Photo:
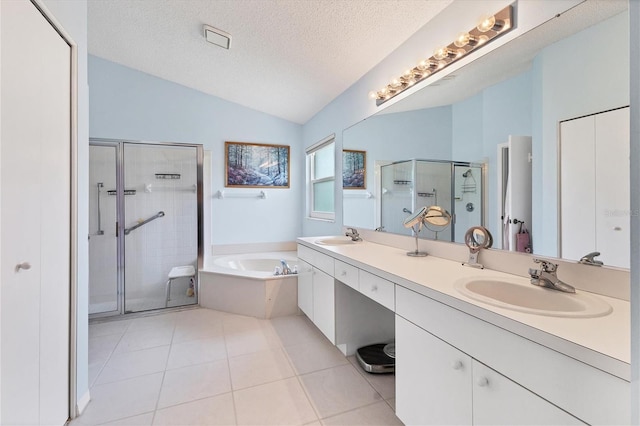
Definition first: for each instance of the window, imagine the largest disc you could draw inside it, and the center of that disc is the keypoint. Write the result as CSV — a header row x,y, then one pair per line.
x,y
321,179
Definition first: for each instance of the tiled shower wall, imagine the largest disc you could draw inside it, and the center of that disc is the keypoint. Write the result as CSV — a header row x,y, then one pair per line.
x,y
153,249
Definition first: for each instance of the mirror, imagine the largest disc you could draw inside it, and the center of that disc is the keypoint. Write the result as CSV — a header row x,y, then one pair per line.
x,y
520,91
437,219
477,238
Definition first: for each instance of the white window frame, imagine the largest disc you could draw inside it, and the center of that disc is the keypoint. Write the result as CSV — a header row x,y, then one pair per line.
x,y
310,154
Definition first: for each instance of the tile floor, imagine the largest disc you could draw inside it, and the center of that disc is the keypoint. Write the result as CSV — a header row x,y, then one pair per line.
x,y
204,367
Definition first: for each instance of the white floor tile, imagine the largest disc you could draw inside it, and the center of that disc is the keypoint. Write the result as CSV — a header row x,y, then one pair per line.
x,y
132,364
392,403
217,410
95,368
385,384
194,330
337,390
141,420
259,368
196,352
107,328
157,322
278,403
144,339
241,342
122,399
187,384
377,414
101,347
295,330
313,356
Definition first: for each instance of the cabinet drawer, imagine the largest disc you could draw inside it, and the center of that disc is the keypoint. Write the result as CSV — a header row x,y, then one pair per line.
x,y
378,289
315,258
346,273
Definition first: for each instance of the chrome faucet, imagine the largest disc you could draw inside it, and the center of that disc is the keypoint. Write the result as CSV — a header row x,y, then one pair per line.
x,y
285,269
589,259
353,233
546,277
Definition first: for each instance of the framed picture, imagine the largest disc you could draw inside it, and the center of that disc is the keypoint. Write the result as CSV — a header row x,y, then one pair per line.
x,y
354,170
254,165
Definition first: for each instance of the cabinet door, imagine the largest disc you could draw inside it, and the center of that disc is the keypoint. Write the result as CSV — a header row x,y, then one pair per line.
x,y
305,288
324,304
433,379
499,401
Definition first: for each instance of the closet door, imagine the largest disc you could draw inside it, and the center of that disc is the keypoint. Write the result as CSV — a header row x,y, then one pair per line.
x,y
612,187
35,220
577,181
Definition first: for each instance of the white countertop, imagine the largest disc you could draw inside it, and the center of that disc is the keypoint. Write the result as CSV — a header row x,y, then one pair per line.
x,y
603,342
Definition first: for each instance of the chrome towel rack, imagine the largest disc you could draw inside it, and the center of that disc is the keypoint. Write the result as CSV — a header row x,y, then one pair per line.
x,y
144,222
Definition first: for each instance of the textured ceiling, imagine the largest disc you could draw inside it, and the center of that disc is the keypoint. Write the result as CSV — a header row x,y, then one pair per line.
x,y
288,58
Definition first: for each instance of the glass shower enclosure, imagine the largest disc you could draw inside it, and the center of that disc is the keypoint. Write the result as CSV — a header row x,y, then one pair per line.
x,y
453,185
145,216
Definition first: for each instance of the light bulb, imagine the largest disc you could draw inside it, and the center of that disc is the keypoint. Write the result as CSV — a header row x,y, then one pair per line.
x,y
462,40
441,64
396,83
373,95
487,23
483,39
407,74
441,53
460,53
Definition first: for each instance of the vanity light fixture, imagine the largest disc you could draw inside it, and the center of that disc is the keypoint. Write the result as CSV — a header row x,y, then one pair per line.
x,y
489,28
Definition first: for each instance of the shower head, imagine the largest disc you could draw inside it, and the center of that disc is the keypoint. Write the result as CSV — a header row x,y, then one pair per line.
x,y
467,173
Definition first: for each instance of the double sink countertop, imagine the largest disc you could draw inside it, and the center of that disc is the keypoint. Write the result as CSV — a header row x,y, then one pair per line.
x,y
602,342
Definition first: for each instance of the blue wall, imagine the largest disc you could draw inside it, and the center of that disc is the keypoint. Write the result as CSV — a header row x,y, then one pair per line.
x,y
128,104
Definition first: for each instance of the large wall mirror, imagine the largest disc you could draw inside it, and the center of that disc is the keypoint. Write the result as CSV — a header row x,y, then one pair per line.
x,y
503,114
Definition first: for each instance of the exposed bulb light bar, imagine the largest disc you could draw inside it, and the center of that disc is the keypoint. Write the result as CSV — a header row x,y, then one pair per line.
x,y
489,28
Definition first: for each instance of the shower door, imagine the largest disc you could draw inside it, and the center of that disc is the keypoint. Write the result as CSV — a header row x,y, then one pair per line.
x,y
103,241
145,211
160,225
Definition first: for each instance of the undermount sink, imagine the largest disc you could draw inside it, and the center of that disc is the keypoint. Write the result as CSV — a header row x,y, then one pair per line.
x,y
334,241
532,299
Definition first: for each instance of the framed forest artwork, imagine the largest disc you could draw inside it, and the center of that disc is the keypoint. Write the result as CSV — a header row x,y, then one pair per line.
x,y
354,169
254,165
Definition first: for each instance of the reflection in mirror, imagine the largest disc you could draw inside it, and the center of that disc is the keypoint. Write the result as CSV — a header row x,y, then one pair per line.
x,y
477,238
410,185
415,221
527,87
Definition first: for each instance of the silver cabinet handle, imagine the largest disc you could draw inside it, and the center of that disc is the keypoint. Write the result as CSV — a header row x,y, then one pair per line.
x,y
23,265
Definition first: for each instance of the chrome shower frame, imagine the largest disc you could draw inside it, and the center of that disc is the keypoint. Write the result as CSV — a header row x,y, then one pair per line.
x,y
119,144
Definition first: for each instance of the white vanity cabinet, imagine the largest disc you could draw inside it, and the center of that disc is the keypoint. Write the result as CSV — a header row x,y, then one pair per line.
x,y
433,379
500,401
441,385
316,290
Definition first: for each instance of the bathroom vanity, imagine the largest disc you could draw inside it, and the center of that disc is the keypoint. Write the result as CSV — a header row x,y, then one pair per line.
x,y
460,360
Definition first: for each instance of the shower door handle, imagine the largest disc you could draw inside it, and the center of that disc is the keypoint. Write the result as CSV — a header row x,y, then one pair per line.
x,y
23,265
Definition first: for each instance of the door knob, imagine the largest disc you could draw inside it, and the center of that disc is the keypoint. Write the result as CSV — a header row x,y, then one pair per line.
x,y
23,265
483,382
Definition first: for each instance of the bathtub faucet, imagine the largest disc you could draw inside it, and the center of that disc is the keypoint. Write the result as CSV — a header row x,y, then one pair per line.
x,y
285,269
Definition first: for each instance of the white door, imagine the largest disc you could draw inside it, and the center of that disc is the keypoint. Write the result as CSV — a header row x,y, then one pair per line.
x,y
35,220
577,183
612,187
520,185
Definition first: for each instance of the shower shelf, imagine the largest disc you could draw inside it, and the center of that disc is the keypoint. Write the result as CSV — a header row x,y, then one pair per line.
x,y
126,192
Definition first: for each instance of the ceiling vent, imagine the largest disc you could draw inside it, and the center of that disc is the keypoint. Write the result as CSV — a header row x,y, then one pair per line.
x,y
217,37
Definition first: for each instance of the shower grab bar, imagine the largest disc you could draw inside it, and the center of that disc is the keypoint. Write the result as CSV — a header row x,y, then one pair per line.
x,y
144,222
99,231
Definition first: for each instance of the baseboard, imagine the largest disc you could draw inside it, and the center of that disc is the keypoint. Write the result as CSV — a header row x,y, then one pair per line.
x,y
83,402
